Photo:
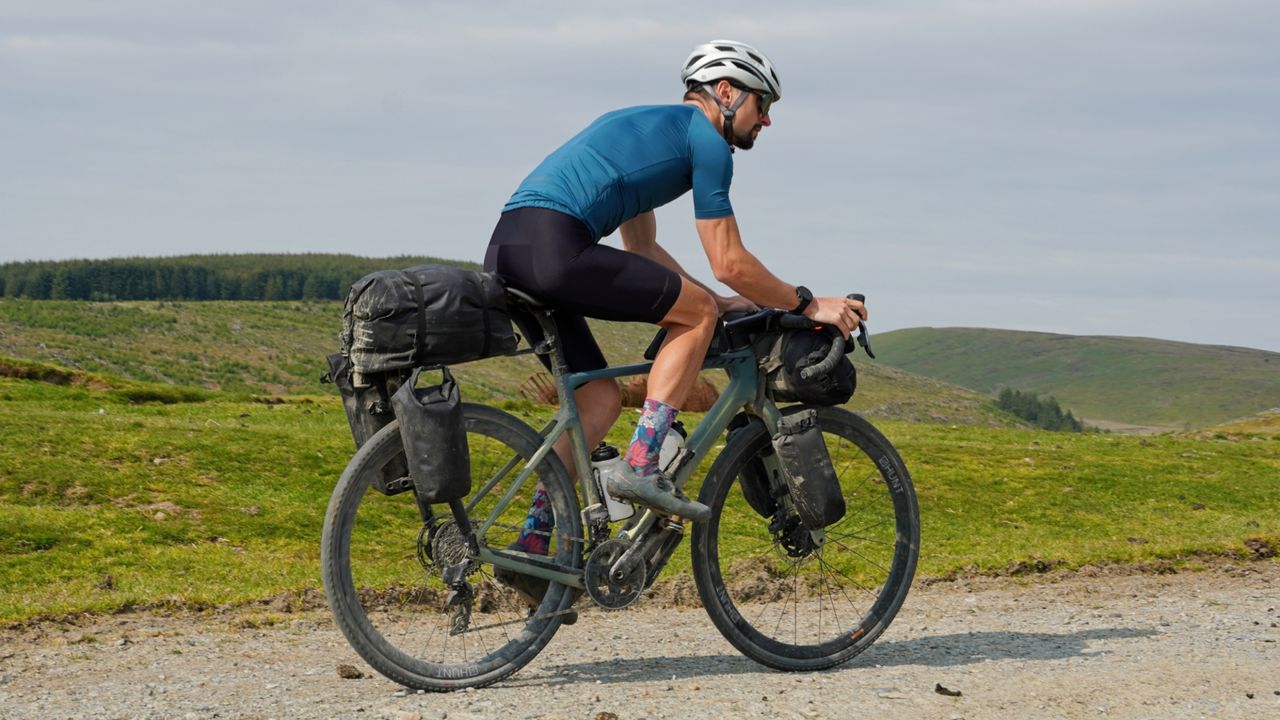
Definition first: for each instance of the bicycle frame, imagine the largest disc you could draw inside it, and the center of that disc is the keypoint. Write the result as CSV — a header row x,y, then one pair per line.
x,y
744,390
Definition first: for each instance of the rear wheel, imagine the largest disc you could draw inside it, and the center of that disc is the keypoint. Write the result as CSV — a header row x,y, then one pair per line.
x,y
382,561
795,600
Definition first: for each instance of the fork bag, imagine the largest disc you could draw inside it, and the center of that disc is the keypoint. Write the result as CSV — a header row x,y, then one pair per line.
x,y
435,438
802,453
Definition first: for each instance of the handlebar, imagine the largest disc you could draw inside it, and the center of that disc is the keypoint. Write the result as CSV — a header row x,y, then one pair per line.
x,y
839,346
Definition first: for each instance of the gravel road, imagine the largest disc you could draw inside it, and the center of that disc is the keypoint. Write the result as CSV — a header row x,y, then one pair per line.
x,y
1085,645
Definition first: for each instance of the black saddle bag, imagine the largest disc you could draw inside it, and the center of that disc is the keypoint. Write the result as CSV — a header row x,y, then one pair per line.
x,y
425,315
435,438
802,453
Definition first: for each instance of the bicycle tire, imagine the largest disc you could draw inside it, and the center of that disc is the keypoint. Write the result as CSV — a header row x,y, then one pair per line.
x,y
390,604
786,612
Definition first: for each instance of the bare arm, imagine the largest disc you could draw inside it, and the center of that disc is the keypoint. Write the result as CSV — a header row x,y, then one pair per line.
x,y
736,267
640,236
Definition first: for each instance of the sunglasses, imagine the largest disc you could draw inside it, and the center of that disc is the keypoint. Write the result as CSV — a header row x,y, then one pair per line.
x,y
766,101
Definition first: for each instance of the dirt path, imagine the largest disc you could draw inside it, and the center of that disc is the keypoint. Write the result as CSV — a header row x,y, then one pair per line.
x,y
1190,645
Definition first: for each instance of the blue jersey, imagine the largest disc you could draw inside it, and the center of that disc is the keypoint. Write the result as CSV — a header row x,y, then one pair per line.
x,y
629,162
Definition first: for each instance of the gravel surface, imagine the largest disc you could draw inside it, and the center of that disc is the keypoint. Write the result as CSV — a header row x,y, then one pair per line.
x,y
1086,645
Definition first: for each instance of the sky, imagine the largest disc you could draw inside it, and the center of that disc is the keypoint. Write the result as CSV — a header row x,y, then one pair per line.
x,y
1090,167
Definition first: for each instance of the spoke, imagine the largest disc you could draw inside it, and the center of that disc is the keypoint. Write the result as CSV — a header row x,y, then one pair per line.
x,y
869,561
795,613
854,534
848,599
827,584
854,581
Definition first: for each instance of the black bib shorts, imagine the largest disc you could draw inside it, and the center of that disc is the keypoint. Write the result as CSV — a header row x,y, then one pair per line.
x,y
553,257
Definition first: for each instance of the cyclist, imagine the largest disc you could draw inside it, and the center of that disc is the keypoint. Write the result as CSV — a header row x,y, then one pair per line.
x,y
610,177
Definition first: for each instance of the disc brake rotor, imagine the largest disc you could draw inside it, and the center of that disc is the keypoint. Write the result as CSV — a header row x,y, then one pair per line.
x,y
606,591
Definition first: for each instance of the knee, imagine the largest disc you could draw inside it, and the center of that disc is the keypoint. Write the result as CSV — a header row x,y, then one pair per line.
x,y
706,310
695,308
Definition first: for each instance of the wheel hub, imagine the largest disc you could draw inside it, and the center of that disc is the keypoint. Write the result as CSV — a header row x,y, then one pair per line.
x,y
796,539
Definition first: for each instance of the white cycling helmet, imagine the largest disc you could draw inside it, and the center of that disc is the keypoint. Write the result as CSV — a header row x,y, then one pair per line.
x,y
734,61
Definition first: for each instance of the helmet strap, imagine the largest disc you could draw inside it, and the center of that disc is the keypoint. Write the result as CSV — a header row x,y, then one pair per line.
x,y
727,111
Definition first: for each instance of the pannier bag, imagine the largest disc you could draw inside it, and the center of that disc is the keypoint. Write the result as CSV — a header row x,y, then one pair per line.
x,y
435,438
753,478
805,462
368,408
425,315
783,355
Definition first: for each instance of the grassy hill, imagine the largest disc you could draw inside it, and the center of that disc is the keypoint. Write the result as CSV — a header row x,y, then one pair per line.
x,y
278,348
1137,381
107,503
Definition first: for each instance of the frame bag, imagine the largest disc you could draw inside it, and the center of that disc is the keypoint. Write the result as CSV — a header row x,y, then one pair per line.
x,y
435,438
802,453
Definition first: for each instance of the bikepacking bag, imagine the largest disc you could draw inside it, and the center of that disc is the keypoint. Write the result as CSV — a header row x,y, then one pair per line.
x,y
802,453
785,354
435,438
753,478
425,315
368,410
368,407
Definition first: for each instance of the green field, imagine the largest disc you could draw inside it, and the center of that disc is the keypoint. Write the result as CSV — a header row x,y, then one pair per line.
x,y
108,503
1137,381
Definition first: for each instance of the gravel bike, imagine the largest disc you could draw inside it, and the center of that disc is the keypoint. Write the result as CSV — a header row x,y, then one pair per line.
x,y
412,585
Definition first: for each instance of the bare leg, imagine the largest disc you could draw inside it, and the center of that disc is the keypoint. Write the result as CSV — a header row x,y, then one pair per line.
x,y
599,405
690,324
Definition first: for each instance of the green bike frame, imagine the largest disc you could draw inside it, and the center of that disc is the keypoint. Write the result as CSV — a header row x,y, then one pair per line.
x,y
744,390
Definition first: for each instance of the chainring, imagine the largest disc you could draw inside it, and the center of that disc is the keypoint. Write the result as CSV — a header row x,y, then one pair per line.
x,y
602,588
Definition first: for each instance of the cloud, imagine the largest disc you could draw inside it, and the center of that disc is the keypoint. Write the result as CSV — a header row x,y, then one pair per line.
x,y
940,153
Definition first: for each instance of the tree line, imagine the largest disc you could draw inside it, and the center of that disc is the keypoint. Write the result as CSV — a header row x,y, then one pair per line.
x,y
1042,411
198,277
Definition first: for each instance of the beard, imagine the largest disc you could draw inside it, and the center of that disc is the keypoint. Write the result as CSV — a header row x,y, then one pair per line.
x,y
746,140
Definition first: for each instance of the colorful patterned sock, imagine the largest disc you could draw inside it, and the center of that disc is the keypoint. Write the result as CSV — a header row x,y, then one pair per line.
x,y
535,538
646,444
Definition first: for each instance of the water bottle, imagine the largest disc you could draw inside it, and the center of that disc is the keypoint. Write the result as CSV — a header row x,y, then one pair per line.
x,y
607,463
671,445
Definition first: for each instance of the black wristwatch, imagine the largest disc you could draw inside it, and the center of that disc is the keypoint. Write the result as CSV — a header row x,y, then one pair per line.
x,y
805,297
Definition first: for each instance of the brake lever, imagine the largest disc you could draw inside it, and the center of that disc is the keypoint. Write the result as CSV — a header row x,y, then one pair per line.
x,y
864,335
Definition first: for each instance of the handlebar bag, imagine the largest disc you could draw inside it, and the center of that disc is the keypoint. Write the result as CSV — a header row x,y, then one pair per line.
x,y
425,315
784,354
802,453
435,438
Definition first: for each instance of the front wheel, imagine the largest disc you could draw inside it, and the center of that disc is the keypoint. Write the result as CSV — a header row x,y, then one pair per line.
x,y
795,600
382,559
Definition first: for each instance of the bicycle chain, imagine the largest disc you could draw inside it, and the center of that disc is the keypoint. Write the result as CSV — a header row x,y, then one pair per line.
x,y
589,609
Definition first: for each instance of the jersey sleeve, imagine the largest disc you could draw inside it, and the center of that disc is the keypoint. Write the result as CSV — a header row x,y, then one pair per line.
x,y
712,171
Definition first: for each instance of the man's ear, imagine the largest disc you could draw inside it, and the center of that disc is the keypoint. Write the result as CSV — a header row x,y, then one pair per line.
x,y
724,91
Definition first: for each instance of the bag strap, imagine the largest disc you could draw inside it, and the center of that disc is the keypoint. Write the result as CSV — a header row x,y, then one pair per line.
x,y
482,291
419,342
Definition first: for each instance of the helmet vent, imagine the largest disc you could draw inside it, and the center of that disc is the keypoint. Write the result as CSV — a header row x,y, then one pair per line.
x,y
755,57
